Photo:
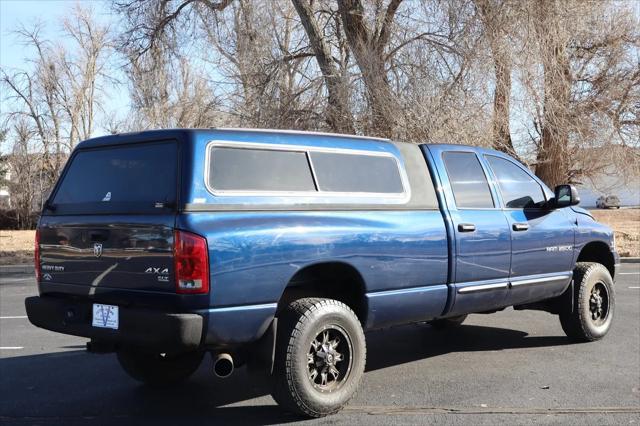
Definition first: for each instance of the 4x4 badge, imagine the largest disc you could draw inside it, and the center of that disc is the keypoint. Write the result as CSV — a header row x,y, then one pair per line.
x,y
97,249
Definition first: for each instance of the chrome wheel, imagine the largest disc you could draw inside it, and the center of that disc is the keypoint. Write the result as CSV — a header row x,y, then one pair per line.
x,y
599,304
329,359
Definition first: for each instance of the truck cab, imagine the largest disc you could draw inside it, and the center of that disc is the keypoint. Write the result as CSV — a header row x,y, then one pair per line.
x,y
279,249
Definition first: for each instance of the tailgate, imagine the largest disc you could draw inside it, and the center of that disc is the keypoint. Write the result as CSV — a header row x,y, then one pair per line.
x,y
109,222
134,256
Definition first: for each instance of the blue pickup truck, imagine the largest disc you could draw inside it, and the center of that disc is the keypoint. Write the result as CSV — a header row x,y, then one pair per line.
x,y
278,249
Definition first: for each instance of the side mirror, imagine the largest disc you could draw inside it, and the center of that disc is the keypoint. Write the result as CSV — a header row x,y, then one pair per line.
x,y
565,196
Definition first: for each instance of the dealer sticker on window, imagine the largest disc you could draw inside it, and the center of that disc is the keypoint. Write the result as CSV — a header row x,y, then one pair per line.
x,y
105,316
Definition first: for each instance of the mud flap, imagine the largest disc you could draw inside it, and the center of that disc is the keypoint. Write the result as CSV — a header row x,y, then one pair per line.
x,y
262,356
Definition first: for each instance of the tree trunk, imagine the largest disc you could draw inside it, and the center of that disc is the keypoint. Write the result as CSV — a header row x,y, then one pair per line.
x,y
552,163
494,20
368,47
338,112
384,108
501,129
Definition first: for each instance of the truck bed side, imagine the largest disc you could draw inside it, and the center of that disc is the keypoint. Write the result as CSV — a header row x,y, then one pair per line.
x,y
400,255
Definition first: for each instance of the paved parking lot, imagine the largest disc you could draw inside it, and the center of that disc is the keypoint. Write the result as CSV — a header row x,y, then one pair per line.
x,y
512,367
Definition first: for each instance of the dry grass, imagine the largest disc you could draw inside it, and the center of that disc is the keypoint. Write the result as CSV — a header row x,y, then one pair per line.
x,y
17,246
626,224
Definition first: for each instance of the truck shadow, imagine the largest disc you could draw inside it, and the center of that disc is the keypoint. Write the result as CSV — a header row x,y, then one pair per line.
x,y
76,387
415,342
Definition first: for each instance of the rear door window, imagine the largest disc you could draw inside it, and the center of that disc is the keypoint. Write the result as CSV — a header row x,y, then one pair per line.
x,y
468,181
119,179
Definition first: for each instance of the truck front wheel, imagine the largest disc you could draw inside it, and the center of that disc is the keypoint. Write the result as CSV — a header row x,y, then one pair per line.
x,y
159,369
590,314
320,357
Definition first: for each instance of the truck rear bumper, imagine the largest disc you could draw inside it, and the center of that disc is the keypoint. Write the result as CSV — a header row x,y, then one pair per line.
x,y
144,328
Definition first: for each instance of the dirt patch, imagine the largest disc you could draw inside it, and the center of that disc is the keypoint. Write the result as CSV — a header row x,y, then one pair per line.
x,y
626,224
17,246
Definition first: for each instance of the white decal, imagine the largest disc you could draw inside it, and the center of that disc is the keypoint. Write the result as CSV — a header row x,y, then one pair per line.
x,y
54,268
107,197
154,270
559,248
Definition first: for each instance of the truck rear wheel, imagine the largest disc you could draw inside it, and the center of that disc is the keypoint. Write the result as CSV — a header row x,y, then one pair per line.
x,y
590,314
320,357
158,369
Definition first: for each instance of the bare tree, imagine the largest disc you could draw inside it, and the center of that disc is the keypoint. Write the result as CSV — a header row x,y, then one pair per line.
x,y
167,92
34,94
26,174
438,70
54,101
267,80
587,93
84,69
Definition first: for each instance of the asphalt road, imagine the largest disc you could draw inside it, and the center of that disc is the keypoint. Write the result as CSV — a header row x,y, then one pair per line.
x,y
510,367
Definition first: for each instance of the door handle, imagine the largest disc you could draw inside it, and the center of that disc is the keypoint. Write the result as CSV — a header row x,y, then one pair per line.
x,y
466,227
520,226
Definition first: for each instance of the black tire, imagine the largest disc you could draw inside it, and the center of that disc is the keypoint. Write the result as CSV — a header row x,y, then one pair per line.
x,y
447,323
306,343
157,369
593,303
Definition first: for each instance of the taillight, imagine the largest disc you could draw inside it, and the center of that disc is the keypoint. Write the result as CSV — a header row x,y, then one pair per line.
x,y
36,256
191,262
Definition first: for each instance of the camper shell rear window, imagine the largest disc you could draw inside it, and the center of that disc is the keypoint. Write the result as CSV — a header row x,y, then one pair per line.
x,y
134,178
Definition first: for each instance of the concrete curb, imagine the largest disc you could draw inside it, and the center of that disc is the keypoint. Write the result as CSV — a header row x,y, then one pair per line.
x,y
630,260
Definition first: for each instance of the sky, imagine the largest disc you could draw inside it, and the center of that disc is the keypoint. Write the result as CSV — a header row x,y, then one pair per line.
x,y
14,13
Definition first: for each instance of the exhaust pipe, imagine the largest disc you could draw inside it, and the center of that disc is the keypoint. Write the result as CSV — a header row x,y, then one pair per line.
x,y
223,366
